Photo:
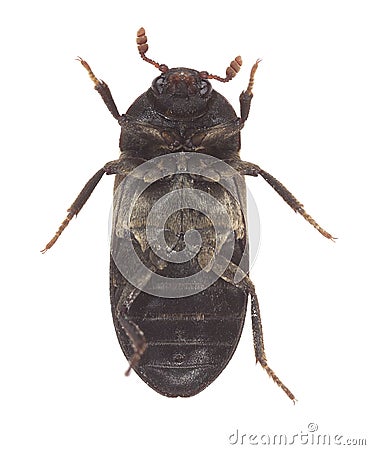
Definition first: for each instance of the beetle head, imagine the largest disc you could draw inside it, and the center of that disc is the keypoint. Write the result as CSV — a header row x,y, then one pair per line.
x,y
182,92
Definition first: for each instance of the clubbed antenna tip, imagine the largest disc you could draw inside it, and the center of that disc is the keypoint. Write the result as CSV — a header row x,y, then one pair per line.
x,y
142,46
231,71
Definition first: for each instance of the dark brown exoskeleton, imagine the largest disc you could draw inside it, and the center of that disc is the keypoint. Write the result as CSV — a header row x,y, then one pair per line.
x,y
180,143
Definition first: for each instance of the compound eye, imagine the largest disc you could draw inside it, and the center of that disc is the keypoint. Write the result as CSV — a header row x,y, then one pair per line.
x,y
205,88
158,84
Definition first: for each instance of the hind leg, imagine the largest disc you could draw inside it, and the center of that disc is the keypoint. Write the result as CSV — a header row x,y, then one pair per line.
x,y
236,276
127,296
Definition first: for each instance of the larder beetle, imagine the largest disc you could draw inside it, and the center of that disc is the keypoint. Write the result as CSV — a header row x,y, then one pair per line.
x,y
179,276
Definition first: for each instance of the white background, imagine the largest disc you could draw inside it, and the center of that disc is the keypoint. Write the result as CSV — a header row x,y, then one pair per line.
x,y
62,372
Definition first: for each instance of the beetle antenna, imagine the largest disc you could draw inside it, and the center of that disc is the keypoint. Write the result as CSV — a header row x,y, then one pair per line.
x,y
231,71
143,46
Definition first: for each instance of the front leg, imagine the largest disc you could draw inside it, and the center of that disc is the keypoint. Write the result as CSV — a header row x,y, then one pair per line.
x,y
103,90
247,168
245,98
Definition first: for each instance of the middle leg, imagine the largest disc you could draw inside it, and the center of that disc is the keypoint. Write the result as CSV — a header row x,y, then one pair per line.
x,y
247,168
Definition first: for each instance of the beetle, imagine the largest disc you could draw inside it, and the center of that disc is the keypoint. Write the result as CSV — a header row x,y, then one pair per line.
x,y
179,272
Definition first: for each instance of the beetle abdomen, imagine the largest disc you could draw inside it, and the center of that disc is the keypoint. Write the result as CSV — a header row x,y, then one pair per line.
x,y
191,343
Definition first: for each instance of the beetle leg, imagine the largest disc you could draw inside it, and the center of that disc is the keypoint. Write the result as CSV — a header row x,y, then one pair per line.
x,y
110,168
127,297
103,90
259,348
247,168
233,274
133,332
246,96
